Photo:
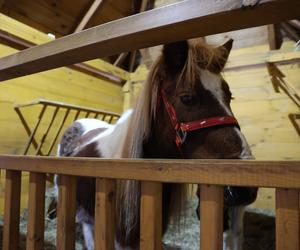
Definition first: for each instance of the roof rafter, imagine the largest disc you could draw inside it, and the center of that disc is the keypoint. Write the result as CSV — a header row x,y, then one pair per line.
x,y
96,5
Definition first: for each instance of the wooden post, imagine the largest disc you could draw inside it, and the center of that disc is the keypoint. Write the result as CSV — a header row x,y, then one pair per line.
x,y
12,210
66,210
211,217
105,214
36,212
287,219
151,216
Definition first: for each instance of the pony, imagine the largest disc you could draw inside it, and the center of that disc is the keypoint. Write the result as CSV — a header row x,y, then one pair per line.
x,y
183,111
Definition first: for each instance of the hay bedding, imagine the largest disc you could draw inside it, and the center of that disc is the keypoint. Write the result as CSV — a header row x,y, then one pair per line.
x,y
259,231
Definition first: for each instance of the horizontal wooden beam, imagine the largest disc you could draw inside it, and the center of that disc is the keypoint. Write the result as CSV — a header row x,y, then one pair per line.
x,y
259,59
19,43
285,174
171,23
14,41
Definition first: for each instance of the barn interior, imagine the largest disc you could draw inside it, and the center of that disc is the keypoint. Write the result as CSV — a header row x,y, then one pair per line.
x,y
263,74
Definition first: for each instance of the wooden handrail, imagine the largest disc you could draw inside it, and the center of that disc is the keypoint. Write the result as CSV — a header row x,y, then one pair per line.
x,y
285,174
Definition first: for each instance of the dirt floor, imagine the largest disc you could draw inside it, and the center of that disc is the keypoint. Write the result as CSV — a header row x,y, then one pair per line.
x,y
259,230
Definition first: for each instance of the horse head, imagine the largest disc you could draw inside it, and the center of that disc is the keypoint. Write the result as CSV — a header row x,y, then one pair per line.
x,y
193,108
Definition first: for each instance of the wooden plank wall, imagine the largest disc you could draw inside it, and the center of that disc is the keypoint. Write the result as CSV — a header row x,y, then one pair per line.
x,y
64,85
261,112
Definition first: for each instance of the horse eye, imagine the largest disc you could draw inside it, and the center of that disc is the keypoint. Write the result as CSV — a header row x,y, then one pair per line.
x,y
187,100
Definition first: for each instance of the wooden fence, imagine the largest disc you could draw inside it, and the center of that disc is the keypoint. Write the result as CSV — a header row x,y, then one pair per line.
x,y
211,174
190,19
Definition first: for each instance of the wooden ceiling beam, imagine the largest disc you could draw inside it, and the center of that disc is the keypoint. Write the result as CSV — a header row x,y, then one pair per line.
x,y
274,36
13,41
290,31
171,23
96,5
19,43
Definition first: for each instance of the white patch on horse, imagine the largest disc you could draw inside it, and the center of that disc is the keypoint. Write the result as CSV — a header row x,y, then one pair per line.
x,y
213,83
89,124
111,146
249,2
87,230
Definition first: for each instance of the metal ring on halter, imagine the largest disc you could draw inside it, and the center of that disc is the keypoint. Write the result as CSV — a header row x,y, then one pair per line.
x,y
181,135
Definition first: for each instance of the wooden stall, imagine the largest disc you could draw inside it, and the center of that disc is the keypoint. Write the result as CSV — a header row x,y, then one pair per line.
x,y
189,19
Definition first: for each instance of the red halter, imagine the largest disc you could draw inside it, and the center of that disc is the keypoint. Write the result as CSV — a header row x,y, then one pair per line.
x,y
181,128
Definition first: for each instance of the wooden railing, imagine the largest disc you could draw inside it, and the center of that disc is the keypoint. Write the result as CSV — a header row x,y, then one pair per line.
x,y
65,110
211,174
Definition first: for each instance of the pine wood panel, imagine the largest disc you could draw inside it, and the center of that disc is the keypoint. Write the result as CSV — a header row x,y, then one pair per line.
x,y
12,210
36,212
211,214
105,214
151,216
66,210
287,219
219,172
116,38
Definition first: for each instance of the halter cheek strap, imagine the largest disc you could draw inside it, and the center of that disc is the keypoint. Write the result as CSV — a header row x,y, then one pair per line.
x,y
182,128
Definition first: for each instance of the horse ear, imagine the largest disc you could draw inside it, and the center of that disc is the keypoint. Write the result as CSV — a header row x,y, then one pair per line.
x,y
224,51
175,55
227,48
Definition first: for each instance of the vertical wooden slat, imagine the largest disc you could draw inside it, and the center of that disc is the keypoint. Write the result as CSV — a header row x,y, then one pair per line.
x,y
66,210
28,131
76,115
105,214
111,118
151,216
58,131
287,219
36,211
12,210
31,137
211,217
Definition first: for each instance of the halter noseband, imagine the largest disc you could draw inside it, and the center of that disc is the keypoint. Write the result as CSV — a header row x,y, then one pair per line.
x,y
182,128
